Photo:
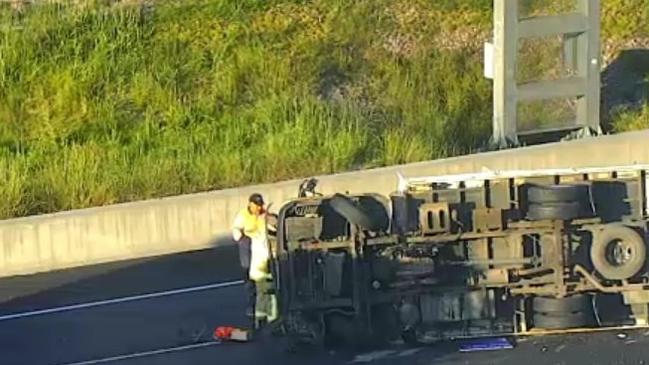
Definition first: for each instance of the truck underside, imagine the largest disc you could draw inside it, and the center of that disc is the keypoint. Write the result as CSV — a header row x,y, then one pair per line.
x,y
466,256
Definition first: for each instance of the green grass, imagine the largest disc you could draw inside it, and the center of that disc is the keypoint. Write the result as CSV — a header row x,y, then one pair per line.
x,y
105,105
633,120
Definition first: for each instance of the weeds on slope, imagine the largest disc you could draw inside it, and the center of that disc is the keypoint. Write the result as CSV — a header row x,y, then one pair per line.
x,y
100,104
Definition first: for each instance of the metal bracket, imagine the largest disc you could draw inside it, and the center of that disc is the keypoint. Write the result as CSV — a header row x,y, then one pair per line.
x,y
435,218
487,219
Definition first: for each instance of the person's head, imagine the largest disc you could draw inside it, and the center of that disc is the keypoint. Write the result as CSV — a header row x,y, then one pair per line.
x,y
256,204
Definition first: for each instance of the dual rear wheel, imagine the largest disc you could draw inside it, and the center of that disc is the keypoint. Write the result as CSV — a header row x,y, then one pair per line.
x,y
617,252
563,313
558,202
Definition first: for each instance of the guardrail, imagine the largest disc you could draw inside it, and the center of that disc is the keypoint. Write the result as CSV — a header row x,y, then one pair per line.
x,y
201,221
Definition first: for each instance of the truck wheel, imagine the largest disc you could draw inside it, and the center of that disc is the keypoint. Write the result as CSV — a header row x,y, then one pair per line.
x,y
554,211
410,337
385,323
618,252
341,330
355,214
572,304
542,194
347,331
572,320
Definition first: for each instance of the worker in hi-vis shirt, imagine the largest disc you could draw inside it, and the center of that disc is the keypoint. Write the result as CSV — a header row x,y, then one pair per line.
x,y
249,231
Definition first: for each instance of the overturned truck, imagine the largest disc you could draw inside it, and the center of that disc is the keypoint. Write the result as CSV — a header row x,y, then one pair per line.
x,y
494,253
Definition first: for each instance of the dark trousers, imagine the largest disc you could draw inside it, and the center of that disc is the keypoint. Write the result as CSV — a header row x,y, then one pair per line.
x,y
251,292
244,258
263,305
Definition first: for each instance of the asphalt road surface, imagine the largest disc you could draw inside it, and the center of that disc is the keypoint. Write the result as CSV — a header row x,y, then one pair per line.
x,y
163,311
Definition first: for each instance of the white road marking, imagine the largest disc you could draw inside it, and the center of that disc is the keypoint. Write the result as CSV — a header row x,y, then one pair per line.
x,y
383,354
409,352
133,298
145,353
372,356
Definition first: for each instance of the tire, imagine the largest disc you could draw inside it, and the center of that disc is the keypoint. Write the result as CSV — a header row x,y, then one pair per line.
x,y
376,210
385,324
575,320
341,330
555,211
542,194
604,256
346,331
355,214
575,303
410,337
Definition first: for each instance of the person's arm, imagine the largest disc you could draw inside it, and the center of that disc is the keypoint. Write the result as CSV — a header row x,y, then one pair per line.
x,y
237,227
271,222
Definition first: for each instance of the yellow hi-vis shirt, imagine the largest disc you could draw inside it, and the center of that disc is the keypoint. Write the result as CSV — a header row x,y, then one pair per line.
x,y
255,228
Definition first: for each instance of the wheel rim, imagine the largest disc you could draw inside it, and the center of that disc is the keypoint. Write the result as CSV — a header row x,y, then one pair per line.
x,y
619,253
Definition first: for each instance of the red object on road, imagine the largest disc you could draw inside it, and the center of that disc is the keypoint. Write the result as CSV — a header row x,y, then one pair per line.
x,y
223,332
230,333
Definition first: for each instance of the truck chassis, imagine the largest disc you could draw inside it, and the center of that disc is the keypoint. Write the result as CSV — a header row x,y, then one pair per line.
x,y
494,253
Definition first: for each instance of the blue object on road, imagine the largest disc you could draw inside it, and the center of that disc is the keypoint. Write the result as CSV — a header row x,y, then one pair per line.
x,y
488,344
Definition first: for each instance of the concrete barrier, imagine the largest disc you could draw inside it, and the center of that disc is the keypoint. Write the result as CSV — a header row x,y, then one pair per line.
x,y
199,221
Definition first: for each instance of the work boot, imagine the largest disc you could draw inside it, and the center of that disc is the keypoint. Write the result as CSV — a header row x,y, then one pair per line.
x,y
258,328
260,323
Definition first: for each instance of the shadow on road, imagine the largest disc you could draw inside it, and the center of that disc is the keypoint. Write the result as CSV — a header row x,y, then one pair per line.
x,y
125,327
119,279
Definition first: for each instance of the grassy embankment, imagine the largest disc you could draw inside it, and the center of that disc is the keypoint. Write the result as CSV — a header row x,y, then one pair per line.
x,y
99,106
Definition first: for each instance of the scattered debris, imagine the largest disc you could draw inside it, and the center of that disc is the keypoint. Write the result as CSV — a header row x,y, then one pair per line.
x,y
544,349
628,342
559,348
198,335
646,334
622,336
489,344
